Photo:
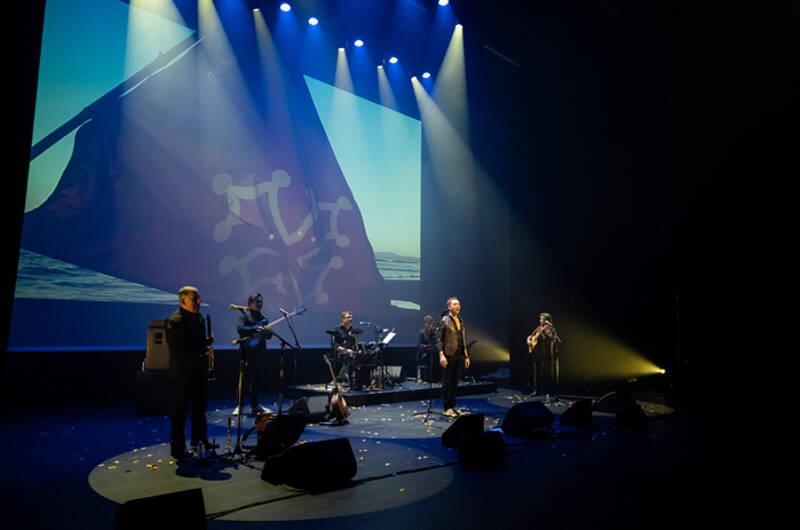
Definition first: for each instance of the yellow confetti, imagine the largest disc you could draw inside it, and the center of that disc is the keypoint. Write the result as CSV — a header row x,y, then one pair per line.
x,y
136,461
387,464
159,460
402,490
112,467
154,467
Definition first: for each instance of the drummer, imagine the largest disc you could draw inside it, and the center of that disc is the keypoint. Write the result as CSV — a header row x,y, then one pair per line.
x,y
344,341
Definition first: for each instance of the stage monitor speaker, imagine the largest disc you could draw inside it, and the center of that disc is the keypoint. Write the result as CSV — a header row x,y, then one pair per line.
x,y
312,408
157,354
395,372
461,428
578,415
313,466
182,509
483,450
280,433
524,418
628,412
151,392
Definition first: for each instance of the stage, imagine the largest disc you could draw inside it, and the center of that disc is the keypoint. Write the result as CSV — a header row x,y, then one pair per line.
x,y
408,390
89,461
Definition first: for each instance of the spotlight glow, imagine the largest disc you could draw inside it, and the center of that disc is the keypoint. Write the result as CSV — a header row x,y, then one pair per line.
x,y
393,60
313,21
285,7
426,75
359,43
444,2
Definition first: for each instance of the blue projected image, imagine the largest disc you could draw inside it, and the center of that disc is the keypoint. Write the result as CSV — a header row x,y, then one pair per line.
x,y
193,178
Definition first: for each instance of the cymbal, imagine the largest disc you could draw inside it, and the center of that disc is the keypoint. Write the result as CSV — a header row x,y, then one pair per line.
x,y
356,331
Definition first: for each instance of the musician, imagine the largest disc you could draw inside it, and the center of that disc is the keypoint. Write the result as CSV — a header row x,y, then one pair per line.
x,y
543,344
344,344
453,355
252,326
426,344
189,347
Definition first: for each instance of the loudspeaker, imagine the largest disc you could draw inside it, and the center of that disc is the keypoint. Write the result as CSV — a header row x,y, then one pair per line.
x,y
461,428
483,450
395,372
280,433
524,418
151,392
628,412
183,509
157,356
578,415
314,466
312,408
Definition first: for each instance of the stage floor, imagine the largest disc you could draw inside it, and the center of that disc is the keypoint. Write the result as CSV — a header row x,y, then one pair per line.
x,y
87,462
408,390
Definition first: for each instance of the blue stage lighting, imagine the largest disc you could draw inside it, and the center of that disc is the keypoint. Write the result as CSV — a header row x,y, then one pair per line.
x,y
285,7
444,2
359,43
313,21
393,59
426,75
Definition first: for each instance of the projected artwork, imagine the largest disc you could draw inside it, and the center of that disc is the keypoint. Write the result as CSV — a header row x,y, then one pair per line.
x,y
196,172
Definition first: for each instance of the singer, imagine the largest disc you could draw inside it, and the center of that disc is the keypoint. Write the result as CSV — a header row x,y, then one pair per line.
x,y
185,332
344,343
453,355
543,345
252,328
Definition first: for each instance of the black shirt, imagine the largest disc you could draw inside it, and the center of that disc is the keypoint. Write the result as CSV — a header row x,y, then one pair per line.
x,y
342,338
248,322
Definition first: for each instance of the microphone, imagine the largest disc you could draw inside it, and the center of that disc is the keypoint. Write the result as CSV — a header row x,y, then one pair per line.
x,y
239,307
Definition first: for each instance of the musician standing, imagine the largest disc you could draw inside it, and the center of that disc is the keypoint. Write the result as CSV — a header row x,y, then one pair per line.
x,y
252,327
344,344
453,355
543,344
189,347
426,344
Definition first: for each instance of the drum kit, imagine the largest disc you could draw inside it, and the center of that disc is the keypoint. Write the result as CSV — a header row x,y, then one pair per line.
x,y
368,359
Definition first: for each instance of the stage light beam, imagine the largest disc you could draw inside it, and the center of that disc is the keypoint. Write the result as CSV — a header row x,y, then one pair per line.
x,y
450,89
343,79
385,89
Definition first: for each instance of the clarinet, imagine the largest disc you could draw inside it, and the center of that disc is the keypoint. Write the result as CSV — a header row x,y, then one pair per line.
x,y
210,342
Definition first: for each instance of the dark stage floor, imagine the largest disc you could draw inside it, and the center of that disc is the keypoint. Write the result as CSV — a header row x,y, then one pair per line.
x,y
71,468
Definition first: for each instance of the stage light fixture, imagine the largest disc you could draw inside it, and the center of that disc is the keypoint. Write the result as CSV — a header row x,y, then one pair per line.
x,y
444,2
285,7
426,75
341,50
313,21
393,59
358,43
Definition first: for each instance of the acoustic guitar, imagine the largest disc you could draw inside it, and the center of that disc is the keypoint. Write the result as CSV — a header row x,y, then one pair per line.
x,y
338,404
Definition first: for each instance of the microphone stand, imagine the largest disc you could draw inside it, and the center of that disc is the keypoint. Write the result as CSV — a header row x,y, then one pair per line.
x,y
430,380
284,344
296,342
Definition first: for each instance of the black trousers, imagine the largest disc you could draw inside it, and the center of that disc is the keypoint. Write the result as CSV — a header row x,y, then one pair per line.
x,y
450,377
250,384
542,377
189,393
